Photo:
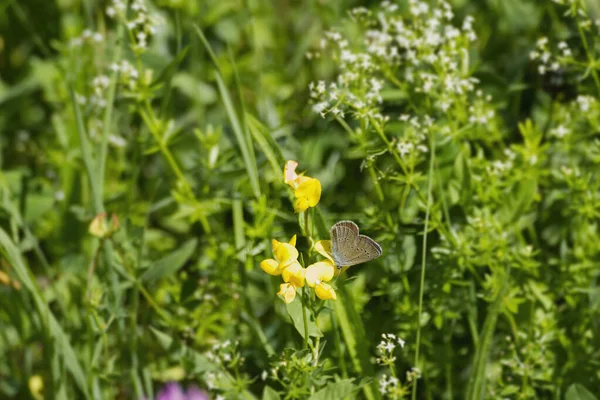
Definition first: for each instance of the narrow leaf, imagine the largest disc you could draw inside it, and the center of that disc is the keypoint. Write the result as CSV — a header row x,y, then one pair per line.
x,y
171,263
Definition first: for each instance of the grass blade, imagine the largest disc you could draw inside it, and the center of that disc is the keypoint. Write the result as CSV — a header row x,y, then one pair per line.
x,y
240,134
63,343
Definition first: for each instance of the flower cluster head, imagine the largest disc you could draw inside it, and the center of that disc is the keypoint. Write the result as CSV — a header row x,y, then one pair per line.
x,y
285,264
428,52
307,190
386,347
294,275
143,24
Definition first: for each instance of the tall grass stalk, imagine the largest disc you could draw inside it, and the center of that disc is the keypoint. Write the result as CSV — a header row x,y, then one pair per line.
x,y
423,263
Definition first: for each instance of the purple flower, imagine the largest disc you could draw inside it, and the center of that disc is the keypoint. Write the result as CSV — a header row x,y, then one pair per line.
x,y
173,391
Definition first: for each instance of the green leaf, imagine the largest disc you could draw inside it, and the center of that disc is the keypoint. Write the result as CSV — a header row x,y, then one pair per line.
x,y
165,340
270,394
167,73
354,337
171,263
335,390
267,144
241,135
294,310
578,392
62,341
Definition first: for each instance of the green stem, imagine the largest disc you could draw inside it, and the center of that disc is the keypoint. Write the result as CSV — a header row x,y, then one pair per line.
x,y
304,298
149,118
423,262
106,122
476,383
589,55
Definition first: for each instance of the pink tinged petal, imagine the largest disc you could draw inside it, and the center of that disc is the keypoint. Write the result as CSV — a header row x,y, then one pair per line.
x,y
193,393
171,391
289,172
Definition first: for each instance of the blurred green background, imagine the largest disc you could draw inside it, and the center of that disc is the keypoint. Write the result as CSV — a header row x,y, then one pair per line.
x,y
118,316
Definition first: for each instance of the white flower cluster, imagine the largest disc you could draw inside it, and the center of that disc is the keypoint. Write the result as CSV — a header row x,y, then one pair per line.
x,y
548,61
386,347
87,37
388,384
424,48
414,137
586,103
142,25
481,112
224,353
128,74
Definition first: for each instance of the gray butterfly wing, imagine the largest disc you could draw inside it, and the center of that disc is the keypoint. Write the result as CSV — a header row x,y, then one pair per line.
x,y
343,234
349,247
364,249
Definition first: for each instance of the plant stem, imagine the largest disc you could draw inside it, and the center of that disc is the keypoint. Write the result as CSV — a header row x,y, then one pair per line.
x,y
477,379
423,262
305,319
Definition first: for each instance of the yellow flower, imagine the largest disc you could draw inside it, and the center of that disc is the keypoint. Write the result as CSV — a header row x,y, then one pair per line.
x,y
316,276
36,386
307,190
99,227
307,193
288,292
285,254
323,247
294,273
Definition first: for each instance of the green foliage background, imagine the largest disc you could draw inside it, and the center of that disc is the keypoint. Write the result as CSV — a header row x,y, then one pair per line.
x,y
191,159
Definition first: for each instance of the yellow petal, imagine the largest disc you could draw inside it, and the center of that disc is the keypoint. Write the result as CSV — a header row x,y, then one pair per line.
x,y
318,272
98,226
36,386
285,253
288,292
323,247
300,204
289,172
294,273
309,189
275,243
293,241
324,291
270,266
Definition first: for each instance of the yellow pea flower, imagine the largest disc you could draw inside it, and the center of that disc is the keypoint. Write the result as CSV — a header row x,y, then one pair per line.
x,y
323,247
295,274
287,291
308,193
307,190
285,254
316,276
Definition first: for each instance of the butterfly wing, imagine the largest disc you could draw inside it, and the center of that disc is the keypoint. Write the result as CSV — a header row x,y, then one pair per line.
x,y
364,249
349,247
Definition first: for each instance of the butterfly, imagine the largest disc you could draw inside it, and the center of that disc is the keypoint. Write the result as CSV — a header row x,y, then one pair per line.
x,y
348,247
